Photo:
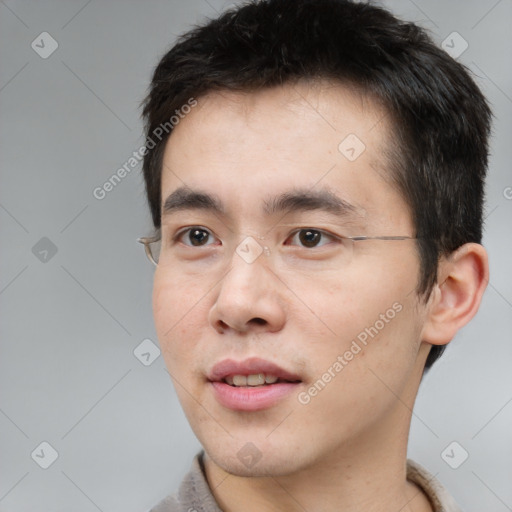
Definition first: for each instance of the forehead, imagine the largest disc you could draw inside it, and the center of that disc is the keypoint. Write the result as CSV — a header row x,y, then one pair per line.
x,y
243,145
322,113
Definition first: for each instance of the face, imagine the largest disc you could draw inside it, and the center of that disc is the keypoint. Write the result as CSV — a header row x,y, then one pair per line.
x,y
257,282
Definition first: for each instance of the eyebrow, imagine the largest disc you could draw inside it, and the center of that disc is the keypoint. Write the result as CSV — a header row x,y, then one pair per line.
x,y
184,198
304,199
296,200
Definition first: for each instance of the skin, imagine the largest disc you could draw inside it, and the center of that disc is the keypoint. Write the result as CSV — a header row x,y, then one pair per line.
x,y
300,307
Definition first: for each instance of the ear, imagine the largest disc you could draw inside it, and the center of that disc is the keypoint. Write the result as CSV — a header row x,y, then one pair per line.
x,y
455,299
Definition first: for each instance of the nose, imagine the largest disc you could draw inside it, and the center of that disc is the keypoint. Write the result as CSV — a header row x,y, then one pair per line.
x,y
248,300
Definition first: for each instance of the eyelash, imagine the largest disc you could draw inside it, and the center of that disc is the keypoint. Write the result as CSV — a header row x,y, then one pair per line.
x,y
325,234
181,233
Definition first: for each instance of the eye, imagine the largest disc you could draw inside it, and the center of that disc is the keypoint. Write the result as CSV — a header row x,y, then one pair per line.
x,y
310,238
195,236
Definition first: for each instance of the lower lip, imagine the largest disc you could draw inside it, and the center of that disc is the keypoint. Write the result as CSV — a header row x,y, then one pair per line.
x,y
251,398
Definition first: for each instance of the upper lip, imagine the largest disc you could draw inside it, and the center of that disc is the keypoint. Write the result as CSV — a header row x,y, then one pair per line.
x,y
251,366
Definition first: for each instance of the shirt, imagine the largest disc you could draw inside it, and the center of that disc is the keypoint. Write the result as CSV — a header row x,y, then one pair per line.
x,y
194,494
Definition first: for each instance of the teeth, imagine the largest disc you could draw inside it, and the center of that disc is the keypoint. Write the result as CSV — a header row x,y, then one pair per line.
x,y
257,379
270,379
239,380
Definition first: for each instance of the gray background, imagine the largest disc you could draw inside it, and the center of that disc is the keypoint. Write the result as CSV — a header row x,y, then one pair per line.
x,y
72,320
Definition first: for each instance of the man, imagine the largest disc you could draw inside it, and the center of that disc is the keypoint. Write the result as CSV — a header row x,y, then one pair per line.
x,y
314,170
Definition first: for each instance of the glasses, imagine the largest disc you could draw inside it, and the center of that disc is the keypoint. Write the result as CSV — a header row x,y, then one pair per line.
x,y
153,245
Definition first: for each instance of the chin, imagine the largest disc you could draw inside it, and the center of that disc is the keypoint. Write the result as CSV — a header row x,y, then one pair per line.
x,y
259,459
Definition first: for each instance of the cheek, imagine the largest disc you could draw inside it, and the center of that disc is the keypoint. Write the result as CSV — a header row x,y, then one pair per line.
x,y
371,310
178,306
165,305
356,379
344,303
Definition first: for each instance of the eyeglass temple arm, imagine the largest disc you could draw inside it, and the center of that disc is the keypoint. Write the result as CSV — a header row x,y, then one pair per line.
x,y
398,237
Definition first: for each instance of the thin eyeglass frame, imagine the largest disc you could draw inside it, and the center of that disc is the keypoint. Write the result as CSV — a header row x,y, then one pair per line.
x,y
147,241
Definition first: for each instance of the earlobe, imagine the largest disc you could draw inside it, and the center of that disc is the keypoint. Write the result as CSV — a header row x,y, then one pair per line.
x,y
456,297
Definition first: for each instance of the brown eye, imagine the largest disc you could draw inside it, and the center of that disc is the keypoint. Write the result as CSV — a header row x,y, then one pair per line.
x,y
196,237
310,238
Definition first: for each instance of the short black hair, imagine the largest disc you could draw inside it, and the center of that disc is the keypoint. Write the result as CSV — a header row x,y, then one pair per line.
x,y
439,117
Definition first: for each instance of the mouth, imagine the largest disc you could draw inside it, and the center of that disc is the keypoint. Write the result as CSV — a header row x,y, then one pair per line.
x,y
251,385
254,380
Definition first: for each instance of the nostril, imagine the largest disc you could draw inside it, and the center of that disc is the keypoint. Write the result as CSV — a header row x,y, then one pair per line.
x,y
223,325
